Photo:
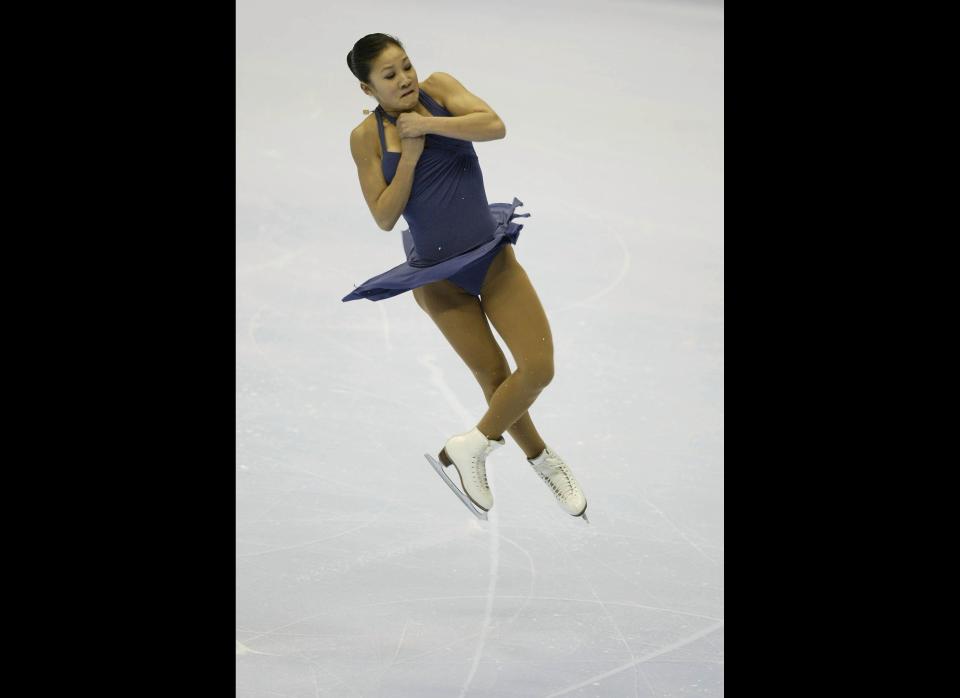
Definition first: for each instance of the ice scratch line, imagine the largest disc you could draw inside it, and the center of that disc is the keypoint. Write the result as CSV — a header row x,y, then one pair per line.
x,y
678,529
314,668
308,543
468,638
593,591
436,379
624,270
360,489
533,577
493,520
624,266
645,658
485,626
432,599
400,644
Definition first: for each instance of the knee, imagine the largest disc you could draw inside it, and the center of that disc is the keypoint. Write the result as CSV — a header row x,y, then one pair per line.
x,y
539,373
491,378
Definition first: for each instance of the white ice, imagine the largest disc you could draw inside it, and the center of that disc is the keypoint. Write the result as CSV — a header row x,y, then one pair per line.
x,y
358,572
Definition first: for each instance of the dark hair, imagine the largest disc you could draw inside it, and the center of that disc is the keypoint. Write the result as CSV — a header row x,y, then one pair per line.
x,y
361,57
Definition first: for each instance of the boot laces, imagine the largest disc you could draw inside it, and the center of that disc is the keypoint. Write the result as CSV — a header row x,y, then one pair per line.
x,y
552,466
480,461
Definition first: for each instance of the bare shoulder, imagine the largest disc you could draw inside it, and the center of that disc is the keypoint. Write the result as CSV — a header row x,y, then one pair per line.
x,y
434,87
363,128
363,142
456,98
364,136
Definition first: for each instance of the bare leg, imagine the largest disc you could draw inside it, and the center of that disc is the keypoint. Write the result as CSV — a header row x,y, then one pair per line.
x,y
522,431
461,319
513,307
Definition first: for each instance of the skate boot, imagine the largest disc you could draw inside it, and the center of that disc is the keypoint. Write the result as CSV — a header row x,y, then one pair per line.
x,y
556,473
467,453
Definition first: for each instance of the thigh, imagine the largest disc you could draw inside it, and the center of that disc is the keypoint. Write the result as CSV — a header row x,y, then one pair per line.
x,y
510,301
460,318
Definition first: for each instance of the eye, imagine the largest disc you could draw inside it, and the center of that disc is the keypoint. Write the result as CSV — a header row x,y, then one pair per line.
x,y
390,77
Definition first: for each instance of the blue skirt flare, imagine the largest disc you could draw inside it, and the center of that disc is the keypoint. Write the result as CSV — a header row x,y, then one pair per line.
x,y
467,269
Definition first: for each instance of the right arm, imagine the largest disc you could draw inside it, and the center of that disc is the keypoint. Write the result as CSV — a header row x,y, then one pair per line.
x,y
386,202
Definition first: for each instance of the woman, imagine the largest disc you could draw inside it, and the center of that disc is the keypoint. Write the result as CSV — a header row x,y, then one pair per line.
x,y
415,157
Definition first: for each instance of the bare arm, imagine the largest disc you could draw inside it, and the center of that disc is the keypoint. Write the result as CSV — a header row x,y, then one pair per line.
x,y
472,120
386,202
480,126
394,198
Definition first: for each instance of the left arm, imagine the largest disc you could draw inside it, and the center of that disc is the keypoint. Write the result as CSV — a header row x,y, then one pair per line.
x,y
472,120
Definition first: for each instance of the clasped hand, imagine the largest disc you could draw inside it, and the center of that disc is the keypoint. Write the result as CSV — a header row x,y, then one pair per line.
x,y
410,124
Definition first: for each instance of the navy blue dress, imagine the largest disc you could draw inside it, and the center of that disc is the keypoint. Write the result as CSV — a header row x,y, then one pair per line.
x,y
454,233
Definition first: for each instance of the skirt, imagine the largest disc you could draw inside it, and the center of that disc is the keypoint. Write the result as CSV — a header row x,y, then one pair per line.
x,y
466,269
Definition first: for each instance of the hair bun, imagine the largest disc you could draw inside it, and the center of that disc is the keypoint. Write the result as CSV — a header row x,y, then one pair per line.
x,y
350,63
364,51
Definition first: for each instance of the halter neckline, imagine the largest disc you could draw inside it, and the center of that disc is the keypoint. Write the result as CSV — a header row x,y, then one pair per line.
x,y
391,119
423,98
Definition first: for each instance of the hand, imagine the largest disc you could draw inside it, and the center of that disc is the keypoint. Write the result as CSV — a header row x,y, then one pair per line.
x,y
410,124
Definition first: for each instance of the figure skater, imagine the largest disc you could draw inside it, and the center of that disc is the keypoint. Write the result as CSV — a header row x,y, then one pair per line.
x,y
461,267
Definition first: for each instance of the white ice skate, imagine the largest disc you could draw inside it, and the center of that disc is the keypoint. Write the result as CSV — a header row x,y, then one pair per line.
x,y
556,473
467,453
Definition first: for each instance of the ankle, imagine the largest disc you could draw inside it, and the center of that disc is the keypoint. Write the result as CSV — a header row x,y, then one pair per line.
x,y
490,437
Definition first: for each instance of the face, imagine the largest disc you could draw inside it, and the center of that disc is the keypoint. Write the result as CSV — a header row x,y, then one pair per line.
x,y
392,75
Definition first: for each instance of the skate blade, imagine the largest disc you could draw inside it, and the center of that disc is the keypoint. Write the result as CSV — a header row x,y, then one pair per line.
x,y
479,513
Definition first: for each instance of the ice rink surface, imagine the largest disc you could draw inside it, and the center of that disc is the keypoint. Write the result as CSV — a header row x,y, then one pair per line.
x,y
358,573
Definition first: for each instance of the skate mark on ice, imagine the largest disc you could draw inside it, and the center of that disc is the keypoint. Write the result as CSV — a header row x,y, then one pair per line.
x,y
533,577
625,257
403,635
326,670
469,638
596,560
281,500
308,543
431,599
437,381
632,582
253,325
315,668
657,539
360,489
678,529
639,672
645,658
493,519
